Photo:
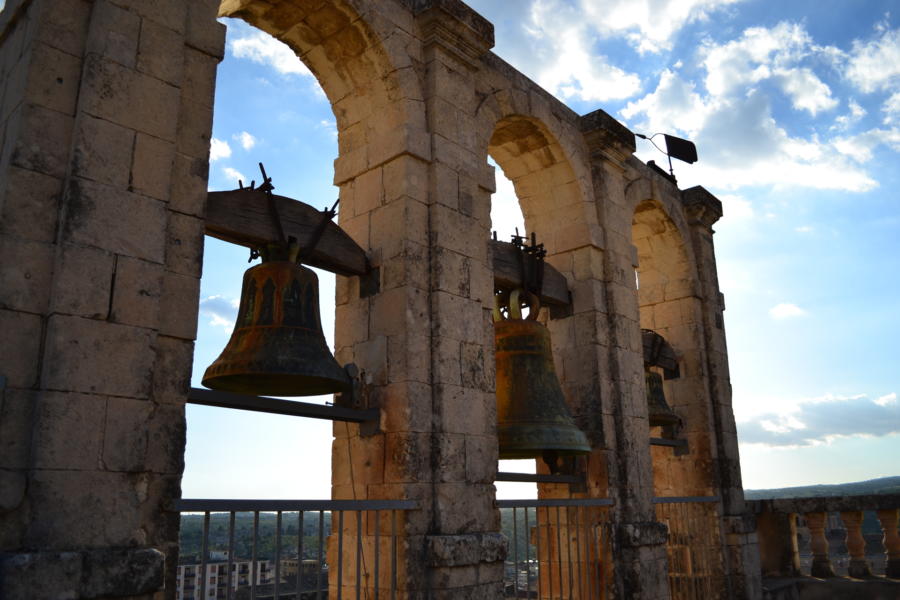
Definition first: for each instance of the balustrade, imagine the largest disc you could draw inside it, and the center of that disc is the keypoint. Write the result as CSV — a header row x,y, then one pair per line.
x,y
779,542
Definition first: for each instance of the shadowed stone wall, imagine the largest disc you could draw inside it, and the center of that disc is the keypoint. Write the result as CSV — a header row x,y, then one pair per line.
x,y
106,117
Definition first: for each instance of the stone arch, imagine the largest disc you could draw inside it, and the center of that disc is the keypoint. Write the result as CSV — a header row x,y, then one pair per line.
x,y
360,58
668,295
552,193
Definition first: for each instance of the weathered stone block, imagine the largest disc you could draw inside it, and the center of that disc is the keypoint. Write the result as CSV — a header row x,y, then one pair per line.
x,y
482,454
16,414
465,507
407,457
406,176
166,438
203,31
79,357
82,282
151,171
160,52
115,220
26,274
114,33
172,370
169,13
126,433
199,76
463,410
20,347
29,205
65,27
179,306
103,151
194,128
53,79
43,141
189,176
184,245
405,407
129,98
136,293
85,508
68,431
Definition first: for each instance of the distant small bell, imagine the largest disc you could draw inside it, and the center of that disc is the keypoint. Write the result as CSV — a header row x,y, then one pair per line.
x,y
658,410
277,347
533,420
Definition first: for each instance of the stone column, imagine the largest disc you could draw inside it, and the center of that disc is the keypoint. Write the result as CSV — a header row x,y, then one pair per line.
x,y
638,538
779,556
856,544
107,115
818,544
889,519
703,210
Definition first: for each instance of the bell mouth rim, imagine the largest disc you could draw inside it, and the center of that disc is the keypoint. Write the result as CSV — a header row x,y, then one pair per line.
x,y
240,383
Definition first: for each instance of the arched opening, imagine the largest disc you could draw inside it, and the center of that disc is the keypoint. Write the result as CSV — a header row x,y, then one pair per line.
x,y
345,112
670,306
536,188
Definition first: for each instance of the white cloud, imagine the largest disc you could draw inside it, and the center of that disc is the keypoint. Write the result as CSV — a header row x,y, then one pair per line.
x,y
218,149
739,141
568,65
856,113
816,421
246,140
807,91
234,174
786,310
221,311
804,229
860,147
648,25
887,399
735,208
875,64
262,48
891,109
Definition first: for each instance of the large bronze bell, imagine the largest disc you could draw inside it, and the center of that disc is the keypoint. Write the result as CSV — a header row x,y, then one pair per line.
x,y
658,353
277,347
657,408
532,418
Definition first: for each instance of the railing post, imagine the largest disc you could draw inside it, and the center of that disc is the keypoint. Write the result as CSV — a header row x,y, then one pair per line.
x,y
856,544
779,555
818,543
889,518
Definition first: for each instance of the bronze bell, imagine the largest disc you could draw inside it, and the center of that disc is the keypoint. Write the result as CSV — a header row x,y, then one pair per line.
x,y
532,418
277,347
657,408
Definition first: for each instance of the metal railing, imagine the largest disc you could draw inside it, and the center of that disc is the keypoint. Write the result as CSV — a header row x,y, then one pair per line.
x,y
558,548
694,547
356,567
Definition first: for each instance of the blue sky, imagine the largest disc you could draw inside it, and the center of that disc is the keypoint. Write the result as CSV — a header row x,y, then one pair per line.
x,y
795,109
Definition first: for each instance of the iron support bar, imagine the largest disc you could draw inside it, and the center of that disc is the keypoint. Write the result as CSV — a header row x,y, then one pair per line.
x,y
538,478
281,407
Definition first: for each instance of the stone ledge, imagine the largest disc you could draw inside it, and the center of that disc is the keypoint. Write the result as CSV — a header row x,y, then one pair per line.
x,y
465,549
95,573
825,504
810,588
646,533
701,205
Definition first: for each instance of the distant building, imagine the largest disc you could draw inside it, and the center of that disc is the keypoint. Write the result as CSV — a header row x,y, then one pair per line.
x,y
217,577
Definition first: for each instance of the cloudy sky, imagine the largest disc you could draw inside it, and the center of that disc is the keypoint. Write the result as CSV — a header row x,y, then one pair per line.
x,y
795,109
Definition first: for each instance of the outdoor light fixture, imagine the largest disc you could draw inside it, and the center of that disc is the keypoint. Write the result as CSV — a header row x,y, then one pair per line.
x,y
676,147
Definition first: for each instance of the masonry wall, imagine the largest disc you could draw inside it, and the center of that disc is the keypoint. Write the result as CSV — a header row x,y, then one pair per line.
x,y
106,116
107,112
